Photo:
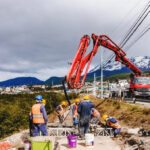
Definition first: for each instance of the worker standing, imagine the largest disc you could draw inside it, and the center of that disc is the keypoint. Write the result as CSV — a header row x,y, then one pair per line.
x,y
84,110
112,123
95,116
60,111
75,112
39,117
31,125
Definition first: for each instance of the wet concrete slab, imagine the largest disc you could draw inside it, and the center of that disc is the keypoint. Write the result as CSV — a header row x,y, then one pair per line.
x,y
100,143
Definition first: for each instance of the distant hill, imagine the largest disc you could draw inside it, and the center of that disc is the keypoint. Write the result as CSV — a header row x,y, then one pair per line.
x,y
112,68
54,80
21,81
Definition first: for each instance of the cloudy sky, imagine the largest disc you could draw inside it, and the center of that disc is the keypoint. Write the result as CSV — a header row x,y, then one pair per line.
x,y
39,37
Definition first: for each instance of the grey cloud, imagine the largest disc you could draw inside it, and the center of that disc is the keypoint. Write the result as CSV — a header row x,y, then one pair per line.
x,y
46,34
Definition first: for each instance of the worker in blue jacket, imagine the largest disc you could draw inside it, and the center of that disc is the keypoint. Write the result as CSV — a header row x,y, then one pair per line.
x,y
84,111
39,117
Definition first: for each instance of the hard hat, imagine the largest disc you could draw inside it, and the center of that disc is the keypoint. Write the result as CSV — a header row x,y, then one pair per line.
x,y
86,97
77,100
44,101
64,103
39,98
105,117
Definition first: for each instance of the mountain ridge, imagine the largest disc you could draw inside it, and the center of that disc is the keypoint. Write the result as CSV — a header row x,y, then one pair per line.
x,y
113,67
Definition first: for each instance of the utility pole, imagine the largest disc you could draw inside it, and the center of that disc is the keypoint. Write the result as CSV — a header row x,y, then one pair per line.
x,y
102,73
94,85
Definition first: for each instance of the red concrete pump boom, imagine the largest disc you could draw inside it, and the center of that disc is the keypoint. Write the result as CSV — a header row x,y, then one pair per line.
x,y
80,60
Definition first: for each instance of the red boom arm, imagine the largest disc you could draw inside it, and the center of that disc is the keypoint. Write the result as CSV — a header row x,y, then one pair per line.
x,y
80,60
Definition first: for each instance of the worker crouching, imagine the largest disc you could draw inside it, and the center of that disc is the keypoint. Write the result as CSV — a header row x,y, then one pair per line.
x,y
112,123
60,111
84,110
39,117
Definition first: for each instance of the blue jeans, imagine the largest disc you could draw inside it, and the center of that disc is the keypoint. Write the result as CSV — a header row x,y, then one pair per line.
x,y
83,126
40,127
117,131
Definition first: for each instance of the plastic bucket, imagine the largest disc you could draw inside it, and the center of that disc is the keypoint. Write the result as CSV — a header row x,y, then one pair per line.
x,y
41,145
89,139
72,141
27,145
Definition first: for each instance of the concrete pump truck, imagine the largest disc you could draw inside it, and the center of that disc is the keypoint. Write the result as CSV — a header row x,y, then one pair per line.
x,y
139,85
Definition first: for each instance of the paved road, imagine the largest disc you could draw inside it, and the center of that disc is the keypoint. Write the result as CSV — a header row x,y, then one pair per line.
x,y
139,100
144,103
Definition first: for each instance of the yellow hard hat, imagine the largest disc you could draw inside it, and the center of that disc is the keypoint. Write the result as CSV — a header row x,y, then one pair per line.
x,y
105,117
44,101
77,100
64,103
86,97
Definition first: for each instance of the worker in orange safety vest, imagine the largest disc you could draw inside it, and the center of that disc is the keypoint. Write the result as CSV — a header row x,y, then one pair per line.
x,y
95,115
39,117
112,123
75,112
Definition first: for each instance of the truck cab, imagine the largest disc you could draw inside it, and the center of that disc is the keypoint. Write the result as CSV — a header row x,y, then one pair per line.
x,y
140,86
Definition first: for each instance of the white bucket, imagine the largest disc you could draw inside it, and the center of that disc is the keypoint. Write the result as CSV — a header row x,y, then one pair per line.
x,y
89,139
26,146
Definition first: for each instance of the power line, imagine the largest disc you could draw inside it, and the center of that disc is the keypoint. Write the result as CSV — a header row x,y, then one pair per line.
x,y
139,37
135,29
124,18
132,30
135,24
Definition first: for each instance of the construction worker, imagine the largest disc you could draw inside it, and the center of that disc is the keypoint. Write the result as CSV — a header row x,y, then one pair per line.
x,y
75,112
39,117
31,125
60,111
84,110
44,102
112,123
95,116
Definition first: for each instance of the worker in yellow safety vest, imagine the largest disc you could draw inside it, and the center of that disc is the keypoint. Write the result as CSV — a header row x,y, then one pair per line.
x,y
39,117
95,116
112,123
60,111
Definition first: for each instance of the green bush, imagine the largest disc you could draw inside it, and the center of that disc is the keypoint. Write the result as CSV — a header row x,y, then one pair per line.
x,y
14,110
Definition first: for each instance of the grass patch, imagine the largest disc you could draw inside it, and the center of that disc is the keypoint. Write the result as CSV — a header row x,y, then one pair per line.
x,y
127,114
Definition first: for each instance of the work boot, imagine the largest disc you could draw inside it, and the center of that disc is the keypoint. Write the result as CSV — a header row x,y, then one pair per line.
x,y
81,137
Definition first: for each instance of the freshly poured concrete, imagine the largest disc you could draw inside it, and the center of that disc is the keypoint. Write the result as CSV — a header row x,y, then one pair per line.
x,y
100,143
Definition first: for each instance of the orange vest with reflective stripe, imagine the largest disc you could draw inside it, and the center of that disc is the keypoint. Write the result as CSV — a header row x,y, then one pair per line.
x,y
76,110
113,125
95,112
37,116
